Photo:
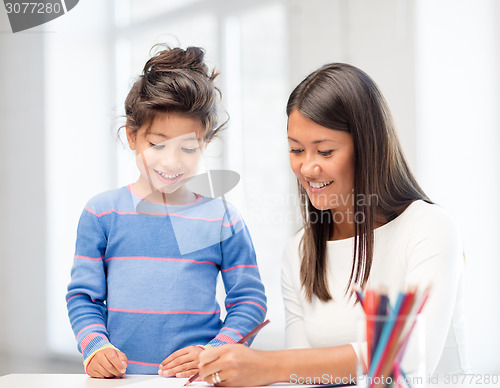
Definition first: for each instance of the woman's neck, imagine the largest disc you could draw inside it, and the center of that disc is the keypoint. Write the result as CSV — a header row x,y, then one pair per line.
x,y
343,224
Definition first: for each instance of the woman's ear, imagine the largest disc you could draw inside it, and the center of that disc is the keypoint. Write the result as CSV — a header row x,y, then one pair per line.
x,y
131,136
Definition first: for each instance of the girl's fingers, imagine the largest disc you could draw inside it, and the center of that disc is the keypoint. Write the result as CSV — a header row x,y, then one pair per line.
x,y
93,373
186,366
99,368
123,358
173,356
113,364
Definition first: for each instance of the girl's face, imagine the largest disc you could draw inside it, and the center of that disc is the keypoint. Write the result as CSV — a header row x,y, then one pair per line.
x,y
168,153
323,161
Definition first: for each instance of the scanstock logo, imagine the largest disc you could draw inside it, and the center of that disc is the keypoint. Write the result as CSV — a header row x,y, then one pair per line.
x,y
24,15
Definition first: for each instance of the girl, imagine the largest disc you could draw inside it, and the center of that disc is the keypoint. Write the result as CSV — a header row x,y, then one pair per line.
x,y
366,222
148,255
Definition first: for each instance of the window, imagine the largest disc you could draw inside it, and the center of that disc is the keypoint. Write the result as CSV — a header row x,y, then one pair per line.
x,y
246,43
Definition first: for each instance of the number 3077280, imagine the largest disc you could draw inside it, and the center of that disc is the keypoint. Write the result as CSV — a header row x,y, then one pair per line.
x,y
33,7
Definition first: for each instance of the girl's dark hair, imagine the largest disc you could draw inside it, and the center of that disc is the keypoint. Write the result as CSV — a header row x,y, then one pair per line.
x,y
342,97
175,81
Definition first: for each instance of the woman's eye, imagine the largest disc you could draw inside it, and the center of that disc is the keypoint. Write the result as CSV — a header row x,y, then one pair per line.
x,y
189,150
295,150
325,153
157,146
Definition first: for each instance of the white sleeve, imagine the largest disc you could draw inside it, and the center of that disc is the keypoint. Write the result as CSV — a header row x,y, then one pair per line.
x,y
295,335
435,257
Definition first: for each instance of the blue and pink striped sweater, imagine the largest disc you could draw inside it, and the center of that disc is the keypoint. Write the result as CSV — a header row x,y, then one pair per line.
x,y
144,277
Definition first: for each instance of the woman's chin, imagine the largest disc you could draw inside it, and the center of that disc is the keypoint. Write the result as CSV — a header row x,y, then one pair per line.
x,y
321,206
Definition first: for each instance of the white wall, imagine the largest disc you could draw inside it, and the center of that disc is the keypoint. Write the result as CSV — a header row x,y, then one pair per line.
x,y
79,142
377,36
22,192
458,138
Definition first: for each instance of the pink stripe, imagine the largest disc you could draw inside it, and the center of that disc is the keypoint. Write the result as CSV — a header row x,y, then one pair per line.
x,y
225,338
159,259
72,296
154,214
240,266
90,211
247,301
232,223
89,338
86,327
81,293
88,258
237,332
142,363
135,193
161,312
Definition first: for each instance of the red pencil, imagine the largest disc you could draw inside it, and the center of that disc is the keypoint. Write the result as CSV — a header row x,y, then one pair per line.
x,y
371,314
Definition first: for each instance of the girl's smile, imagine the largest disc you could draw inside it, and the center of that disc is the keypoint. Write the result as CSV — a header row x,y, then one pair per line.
x,y
168,179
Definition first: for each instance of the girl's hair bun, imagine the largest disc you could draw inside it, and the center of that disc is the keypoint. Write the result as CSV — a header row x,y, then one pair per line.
x,y
175,80
174,59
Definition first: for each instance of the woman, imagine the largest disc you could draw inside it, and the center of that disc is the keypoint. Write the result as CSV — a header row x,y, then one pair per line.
x,y
367,223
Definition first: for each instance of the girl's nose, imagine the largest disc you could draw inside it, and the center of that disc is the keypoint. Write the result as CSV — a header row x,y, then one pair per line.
x,y
170,159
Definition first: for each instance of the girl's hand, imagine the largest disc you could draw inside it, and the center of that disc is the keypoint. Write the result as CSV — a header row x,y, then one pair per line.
x,y
182,363
236,365
108,363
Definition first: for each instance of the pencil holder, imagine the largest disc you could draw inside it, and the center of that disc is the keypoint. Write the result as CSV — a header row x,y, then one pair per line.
x,y
391,351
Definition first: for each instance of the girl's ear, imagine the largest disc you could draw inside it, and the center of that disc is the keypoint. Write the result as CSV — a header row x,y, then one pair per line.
x,y
131,136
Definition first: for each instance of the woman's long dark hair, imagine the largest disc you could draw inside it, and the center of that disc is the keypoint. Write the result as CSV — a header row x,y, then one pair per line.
x,y
342,97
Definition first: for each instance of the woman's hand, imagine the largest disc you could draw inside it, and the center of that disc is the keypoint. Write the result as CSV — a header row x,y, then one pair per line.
x,y
236,365
108,363
182,363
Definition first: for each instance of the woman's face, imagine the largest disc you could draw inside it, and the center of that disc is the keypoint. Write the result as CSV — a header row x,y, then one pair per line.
x,y
323,161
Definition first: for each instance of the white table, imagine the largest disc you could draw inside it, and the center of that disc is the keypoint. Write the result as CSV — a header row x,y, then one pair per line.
x,y
151,381
83,381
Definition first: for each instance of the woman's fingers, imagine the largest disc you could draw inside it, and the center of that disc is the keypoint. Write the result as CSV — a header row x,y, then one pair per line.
x,y
187,373
211,355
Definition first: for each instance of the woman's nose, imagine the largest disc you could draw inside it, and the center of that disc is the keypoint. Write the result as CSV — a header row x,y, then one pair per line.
x,y
310,167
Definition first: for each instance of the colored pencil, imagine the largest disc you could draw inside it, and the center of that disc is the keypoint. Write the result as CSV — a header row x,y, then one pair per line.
x,y
388,331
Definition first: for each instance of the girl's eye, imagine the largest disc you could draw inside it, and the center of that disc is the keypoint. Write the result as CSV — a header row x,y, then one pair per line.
x,y
157,146
325,153
189,150
295,150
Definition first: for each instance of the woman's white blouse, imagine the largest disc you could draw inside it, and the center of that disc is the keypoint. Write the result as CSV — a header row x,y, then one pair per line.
x,y
421,246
